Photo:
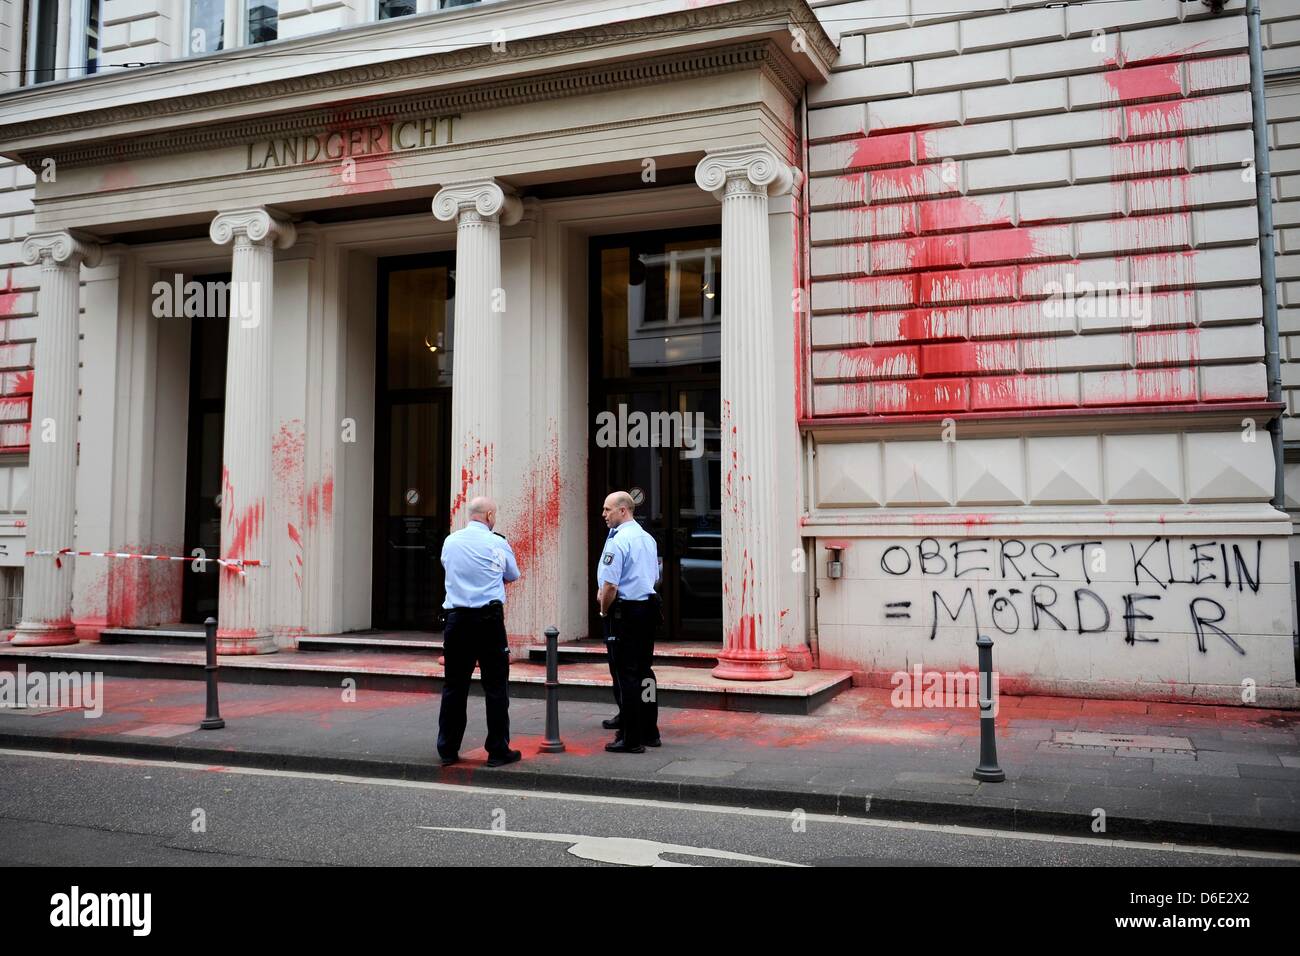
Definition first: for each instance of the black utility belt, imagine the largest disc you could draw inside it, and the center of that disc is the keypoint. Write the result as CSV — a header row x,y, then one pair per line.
x,y
481,609
644,600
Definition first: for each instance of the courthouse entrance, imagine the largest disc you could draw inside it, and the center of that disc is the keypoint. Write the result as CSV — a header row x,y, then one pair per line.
x,y
655,308
412,439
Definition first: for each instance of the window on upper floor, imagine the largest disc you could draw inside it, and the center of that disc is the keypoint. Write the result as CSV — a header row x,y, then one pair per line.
x,y
395,8
42,19
92,36
207,26
263,21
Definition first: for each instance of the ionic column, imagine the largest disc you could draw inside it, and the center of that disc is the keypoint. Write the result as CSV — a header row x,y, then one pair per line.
x,y
47,579
743,178
244,608
480,208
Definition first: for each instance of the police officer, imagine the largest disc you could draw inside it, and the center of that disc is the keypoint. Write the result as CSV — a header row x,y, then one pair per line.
x,y
478,562
631,612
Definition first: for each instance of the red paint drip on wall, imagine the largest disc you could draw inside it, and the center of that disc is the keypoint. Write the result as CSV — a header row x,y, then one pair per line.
x,y
8,297
320,501
477,467
539,524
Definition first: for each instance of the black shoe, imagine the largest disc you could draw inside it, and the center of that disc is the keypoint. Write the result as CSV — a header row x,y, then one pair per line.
x,y
501,759
611,723
448,761
655,741
619,746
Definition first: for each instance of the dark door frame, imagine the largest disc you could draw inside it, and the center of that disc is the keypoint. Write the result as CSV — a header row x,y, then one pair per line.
x,y
384,402
669,383
197,585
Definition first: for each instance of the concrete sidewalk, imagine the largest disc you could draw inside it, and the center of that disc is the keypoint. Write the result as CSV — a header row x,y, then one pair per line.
x,y
1195,774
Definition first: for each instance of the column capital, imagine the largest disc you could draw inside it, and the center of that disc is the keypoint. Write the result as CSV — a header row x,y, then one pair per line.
x,y
257,225
484,198
61,248
751,168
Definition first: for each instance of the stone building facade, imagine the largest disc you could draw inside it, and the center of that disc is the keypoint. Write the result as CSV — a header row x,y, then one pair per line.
x,y
991,353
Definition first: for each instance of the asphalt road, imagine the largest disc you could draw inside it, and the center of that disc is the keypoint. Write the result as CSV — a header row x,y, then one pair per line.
x,y
62,810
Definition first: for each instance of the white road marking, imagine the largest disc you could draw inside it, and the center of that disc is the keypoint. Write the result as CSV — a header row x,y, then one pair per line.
x,y
627,851
951,828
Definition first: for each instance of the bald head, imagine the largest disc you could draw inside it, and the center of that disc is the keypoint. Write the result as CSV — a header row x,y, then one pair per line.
x,y
483,509
618,508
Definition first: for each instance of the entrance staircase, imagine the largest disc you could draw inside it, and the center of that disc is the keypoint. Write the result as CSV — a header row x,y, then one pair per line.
x,y
410,661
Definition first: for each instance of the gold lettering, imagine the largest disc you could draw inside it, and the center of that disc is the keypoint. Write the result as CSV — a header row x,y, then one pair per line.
x,y
397,135
361,141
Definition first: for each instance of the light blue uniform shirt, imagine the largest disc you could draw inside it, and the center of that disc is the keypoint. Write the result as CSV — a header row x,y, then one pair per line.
x,y
629,561
477,563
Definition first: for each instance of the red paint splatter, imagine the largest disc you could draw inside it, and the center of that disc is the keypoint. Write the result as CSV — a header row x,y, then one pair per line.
x,y
476,468
873,152
8,297
535,534
362,174
320,501
1136,84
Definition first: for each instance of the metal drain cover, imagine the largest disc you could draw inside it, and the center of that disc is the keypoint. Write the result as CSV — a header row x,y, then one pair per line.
x,y
1122,743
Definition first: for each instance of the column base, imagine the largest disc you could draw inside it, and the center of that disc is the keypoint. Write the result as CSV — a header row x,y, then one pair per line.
x,y
799,658
89,629
752,665
31,634
233,644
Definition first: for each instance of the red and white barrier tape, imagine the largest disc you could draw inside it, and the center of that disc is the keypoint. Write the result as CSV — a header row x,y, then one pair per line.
x,y
237,563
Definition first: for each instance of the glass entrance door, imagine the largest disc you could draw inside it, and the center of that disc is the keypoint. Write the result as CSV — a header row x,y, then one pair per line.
x,y
697,514
412,440
656,309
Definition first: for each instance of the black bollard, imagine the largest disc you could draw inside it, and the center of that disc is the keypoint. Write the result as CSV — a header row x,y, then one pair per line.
x,y
552,744
213,720
988,771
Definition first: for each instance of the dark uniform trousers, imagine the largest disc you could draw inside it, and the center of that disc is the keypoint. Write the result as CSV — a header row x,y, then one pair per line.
x,y
633,625
611,657
475,636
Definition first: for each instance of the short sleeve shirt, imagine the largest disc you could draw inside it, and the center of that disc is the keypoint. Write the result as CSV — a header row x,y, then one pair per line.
x,y
629,561
477,564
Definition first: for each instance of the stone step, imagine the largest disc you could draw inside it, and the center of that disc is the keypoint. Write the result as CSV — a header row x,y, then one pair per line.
x,y
413,642
690,687
667,653
679,653
160,634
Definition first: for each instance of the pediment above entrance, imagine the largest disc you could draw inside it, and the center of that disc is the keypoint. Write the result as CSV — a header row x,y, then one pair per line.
x,y
532,92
